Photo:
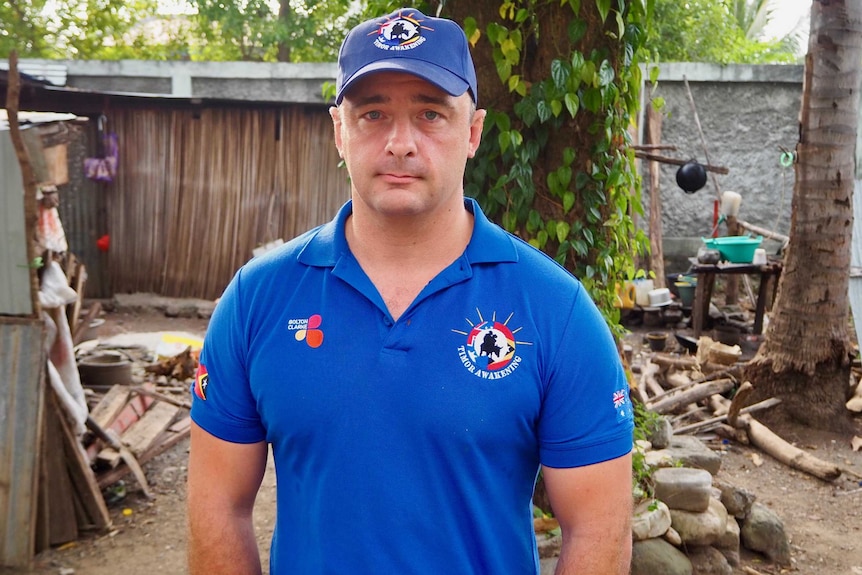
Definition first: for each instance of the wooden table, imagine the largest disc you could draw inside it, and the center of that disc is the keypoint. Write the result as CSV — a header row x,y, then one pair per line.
x,y
706,280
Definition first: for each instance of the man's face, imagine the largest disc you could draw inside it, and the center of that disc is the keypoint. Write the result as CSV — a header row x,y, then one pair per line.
x,y
405,143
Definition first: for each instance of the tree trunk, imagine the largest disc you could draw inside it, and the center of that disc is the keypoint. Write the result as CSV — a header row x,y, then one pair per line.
x,y
804,359
284,15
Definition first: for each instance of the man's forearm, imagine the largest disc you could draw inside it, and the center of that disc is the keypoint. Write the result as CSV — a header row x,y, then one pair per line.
x,y
222,546
595,557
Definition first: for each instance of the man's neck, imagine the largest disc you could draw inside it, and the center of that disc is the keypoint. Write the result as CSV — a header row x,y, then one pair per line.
x,y
401,255
402,240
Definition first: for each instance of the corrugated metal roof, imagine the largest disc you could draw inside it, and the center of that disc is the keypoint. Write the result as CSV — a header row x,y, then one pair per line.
x,y
55,73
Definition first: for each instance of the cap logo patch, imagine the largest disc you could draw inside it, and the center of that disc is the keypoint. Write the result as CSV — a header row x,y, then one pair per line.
x,y
400,33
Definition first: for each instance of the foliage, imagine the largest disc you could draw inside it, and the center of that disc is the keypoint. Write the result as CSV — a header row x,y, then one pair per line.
x,y
98,29
646,422
580,210
253,30
724,31
215,30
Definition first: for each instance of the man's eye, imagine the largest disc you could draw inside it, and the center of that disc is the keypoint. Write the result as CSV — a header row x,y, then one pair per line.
x,y
373,115
431,115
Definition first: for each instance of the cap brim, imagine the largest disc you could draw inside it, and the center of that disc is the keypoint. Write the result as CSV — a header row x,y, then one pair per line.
x,y
440,77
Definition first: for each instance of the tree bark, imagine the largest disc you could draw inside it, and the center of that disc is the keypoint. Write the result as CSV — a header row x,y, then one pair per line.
x,y
804,359
284,16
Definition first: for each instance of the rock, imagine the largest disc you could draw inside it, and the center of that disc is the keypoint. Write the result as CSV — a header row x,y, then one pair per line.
x,y
683,488
651,519
205,309
708,561
184,310
728,544
548,546
703,528
672,537
688,451
661,434
548,566
737,501
763,531
654,556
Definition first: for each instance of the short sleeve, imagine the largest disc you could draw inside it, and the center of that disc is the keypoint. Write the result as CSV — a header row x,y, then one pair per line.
x,y
223,403
586,413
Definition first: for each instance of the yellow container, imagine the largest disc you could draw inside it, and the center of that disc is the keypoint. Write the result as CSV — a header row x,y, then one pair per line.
x,y
625,295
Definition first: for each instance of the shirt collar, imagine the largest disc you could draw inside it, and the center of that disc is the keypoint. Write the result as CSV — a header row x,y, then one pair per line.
x,y
488,244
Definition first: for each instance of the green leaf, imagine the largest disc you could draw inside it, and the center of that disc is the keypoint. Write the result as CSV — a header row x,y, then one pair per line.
x,y
471,30
568,201
514,80
568,156
562,231
606,73
542,236
592,99
564,175
510,221
503,122
504,69
554,183
503,141
572,103
556,107
560,74
604,7
577,29
544,111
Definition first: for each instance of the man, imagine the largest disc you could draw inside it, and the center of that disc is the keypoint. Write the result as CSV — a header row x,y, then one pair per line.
x,y
411,365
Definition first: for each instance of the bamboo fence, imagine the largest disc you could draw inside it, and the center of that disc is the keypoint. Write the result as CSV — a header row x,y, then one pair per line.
x,y
197,191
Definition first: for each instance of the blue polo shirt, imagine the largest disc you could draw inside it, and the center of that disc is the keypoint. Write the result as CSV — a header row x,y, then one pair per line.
x,y
411,446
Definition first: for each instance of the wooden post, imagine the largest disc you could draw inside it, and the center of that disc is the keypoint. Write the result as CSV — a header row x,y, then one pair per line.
x,y
31,215
655,227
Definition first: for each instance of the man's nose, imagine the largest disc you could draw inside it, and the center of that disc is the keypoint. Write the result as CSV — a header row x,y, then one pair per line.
x,y
402,138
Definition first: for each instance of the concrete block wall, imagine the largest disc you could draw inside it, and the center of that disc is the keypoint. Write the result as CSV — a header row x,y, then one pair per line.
x,y
748,115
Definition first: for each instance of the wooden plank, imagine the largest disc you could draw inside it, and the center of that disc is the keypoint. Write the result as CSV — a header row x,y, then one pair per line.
x,y
110,406
173,435
62,524
129,414
79,280
80,331
95,513
143,432
22,385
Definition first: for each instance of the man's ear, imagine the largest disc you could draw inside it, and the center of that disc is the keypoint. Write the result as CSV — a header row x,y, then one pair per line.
x,y
476,125
335,114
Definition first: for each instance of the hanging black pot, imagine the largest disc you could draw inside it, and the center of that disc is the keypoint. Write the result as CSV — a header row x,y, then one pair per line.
x,y
691,176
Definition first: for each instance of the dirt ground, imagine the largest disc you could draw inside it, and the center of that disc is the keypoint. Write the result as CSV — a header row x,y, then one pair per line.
x,y
823,520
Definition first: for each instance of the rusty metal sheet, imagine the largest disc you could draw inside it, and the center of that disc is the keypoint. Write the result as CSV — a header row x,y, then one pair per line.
x,y
22,363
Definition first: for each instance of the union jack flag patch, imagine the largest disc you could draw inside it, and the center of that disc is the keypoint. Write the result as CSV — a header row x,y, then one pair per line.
x,y
622,405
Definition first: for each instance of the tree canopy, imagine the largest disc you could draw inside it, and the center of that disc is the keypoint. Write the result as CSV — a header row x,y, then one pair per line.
x,y
722,31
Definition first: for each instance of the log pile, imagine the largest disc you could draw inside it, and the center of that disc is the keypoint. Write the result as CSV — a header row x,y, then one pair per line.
x,y
694,393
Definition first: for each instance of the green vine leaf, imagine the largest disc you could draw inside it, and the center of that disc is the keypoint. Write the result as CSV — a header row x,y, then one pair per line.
x,y
604,7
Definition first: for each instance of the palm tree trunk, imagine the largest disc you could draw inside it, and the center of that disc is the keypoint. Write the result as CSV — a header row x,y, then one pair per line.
x,y
805,356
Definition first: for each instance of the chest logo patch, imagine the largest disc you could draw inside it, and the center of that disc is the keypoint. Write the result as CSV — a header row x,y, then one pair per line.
x,y
308,330
490,348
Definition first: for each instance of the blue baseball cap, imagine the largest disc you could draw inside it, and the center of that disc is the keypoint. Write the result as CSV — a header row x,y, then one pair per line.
x,y
434,49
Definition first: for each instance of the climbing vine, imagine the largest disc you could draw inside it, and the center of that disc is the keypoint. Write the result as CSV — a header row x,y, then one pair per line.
x,y
555,167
